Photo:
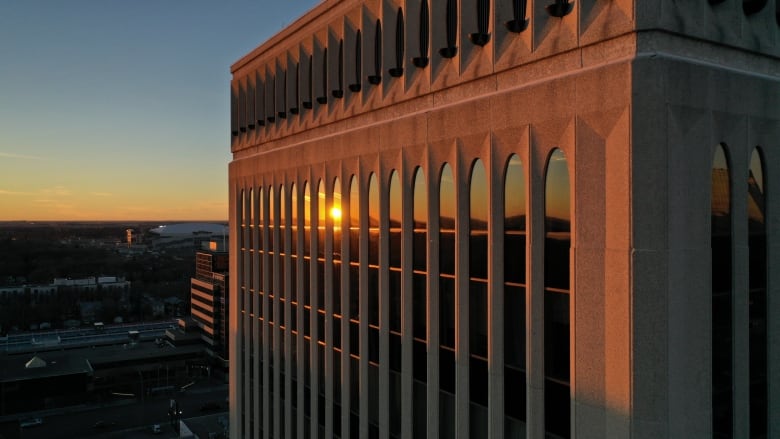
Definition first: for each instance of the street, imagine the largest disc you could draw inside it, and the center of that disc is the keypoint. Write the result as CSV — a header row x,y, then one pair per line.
x,y
129,419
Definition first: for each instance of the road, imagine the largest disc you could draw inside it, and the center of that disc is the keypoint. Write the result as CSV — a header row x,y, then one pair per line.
x,y
128,419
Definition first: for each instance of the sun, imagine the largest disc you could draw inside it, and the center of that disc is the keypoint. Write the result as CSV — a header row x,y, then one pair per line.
x,y
335,213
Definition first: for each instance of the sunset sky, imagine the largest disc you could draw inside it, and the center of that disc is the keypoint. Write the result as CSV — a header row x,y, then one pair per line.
x,y
117,109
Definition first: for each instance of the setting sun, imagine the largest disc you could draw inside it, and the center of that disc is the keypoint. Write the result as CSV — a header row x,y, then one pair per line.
x,y
335,213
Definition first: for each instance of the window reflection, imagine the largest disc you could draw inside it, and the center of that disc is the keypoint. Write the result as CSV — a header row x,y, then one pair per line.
x,y
281,263
395,252
272,252
306,259
335,220
447,302
757,308
353,224
395,221
373,305
294,259
514,298
478,266
557,243
261,241
419,306
722,296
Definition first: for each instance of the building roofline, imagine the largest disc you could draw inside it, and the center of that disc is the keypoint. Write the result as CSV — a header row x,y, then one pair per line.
x,y
313,14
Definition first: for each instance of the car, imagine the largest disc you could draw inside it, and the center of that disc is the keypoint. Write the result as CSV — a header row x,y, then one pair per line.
x,y
31,422
156,429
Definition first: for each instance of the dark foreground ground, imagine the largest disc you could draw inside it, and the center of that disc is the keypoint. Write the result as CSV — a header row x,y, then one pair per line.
x,y
129,419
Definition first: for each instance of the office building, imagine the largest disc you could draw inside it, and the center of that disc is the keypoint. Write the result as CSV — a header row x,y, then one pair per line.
x,y
209,297
508,219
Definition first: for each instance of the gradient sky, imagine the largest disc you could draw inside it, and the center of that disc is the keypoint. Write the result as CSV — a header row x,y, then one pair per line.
x,y
119,109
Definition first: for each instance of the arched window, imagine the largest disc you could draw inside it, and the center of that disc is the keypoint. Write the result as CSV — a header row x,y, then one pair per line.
x,y
320,296
334,229
293,299
307,308
514,298
242,213
244,375
306,256
396,222
281,260
757,308
354,266
354,306
557,246
294,259
722,297
280,302
373,394
259,329
272,254
261,227
479,206
272,332
447,308
420,306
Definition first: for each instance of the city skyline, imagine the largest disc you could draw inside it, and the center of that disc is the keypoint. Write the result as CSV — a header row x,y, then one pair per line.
x,y
118,110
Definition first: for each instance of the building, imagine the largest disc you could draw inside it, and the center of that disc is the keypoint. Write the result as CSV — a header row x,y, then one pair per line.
x,y
209,296
508,219
58,376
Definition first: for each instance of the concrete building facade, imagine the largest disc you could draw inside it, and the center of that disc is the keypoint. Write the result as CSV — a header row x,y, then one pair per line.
x,y
508,219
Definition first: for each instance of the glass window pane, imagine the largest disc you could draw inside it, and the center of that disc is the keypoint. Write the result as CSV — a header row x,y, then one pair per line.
x,y
758,298
373,251
420,216
321,219
514,222
334,225
722,296
282,220
478,222
447,222
557,367
271,245
395,220
307,231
